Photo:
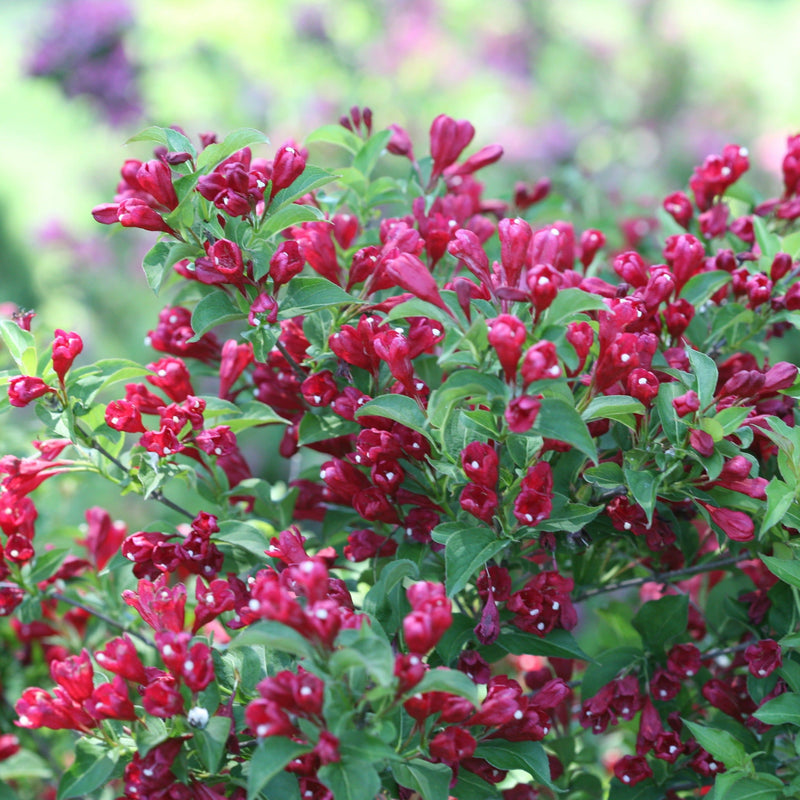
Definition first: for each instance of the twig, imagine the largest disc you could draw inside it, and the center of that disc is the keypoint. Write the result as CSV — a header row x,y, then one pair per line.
x,y
663,577
298,370
100,615
158,496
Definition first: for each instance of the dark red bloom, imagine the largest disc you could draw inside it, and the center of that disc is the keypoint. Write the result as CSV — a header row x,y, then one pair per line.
x,y
631,770
763,658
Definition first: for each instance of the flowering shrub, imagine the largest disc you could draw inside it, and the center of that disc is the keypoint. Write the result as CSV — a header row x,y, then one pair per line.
x,y
535,536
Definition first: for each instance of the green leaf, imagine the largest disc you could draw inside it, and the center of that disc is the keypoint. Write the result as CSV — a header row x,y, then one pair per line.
x,y
252,536
399,408
351,779
643,485
467,551
234,141
336,135
461,385
94,763
569,303
151,734
621,791
391,578
155,265
674,428
275,636
701,286
751,789
173,140
606,667
660,621
367,157
606,475
783,709
415,307
429,781
618,407
527,756
720,743
706,375
291,214
269,758
779,498
210,742
370,653
309,292
46,563
317,428
442,679
116,370
20,344
557,644
559,420
24,764
214,309
768,242
787,569
310,178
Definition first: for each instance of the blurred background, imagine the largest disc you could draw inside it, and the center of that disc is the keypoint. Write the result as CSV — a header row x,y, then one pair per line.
x,y
614,100
624,96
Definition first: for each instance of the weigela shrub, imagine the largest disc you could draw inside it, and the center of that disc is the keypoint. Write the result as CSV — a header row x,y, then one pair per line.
x,y
535,536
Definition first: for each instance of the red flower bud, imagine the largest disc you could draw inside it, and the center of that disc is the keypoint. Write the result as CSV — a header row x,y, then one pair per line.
x,y
287,166
679,206
479,501
521,413
540,362
735,524
642,385
135,213
155,177
701,442
590,242
449,137
23,389
66,347
515,238
480,463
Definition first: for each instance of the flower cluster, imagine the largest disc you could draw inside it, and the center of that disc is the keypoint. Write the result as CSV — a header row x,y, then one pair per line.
x,y
492,420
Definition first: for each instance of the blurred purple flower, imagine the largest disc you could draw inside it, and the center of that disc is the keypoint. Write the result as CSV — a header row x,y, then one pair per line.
x,y
82,49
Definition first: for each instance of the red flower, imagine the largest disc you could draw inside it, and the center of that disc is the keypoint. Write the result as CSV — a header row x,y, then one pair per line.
x,y
452,745
23,389
507,334
121,658
631,770
479,501
66,347
161,698
448,138
763,658
735,524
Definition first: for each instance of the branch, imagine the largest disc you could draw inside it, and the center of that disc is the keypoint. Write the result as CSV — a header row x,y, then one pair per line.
x,y
100,615
158,496
662,577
